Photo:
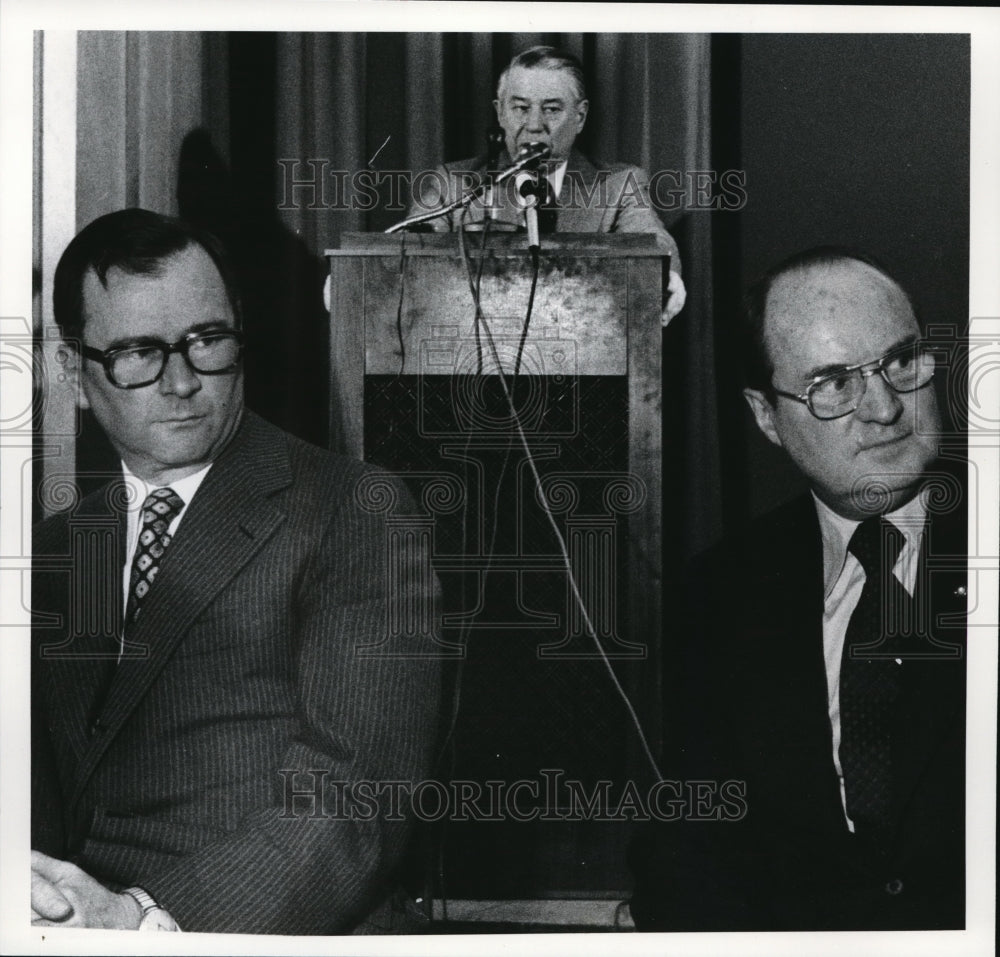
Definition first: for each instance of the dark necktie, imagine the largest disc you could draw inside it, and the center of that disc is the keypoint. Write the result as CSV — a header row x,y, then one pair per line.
x,y
159,509
548,207
870,682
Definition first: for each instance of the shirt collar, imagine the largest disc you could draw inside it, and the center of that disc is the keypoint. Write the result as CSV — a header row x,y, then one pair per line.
x,y
837,530
185,487
555,175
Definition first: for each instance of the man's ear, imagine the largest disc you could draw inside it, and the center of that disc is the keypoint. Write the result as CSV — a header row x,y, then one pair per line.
x,y
70,359
496,107
763,413
581,110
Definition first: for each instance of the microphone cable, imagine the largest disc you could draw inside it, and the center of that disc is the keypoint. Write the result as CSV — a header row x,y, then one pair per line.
x,y
399,304
591,631
447,752
482,330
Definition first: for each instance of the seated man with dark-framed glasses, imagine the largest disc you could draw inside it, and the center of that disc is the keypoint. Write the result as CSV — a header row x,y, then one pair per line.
x,y
818,676
218,657
140,362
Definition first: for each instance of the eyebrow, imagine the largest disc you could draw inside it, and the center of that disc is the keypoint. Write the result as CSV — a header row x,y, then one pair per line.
x,y
212,325
551,101
820,372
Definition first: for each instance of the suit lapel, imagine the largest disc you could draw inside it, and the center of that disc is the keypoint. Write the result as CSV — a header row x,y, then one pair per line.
x,y
581,215
792,674
78,670
788,726
934,686
227,523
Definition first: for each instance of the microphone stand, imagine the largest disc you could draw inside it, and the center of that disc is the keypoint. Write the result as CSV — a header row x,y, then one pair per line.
x,y
531,220
526,157
529,190
495,139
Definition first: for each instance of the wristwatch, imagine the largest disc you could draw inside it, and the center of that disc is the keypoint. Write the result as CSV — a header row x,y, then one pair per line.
x,y
154,917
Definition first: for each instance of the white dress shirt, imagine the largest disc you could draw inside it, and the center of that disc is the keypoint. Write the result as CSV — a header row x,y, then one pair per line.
x,y
555,177
843,580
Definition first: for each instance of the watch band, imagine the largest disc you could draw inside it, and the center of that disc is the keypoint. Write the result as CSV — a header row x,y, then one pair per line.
x,y
154,917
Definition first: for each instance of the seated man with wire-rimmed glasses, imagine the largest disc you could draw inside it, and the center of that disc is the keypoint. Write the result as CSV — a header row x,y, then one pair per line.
x,y
213,664
819,671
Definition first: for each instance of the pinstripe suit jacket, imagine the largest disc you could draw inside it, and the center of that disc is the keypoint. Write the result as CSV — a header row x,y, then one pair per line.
x,y
266,666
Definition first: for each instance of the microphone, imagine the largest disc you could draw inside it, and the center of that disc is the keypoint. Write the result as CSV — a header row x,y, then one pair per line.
x,y
531,154
526,188
494,146
531,221
526,191
495,139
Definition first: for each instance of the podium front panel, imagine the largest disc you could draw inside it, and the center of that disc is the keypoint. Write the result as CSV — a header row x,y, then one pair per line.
x,y
572,481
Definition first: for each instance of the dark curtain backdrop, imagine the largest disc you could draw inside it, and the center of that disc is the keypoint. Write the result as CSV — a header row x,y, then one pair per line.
x,y
300,108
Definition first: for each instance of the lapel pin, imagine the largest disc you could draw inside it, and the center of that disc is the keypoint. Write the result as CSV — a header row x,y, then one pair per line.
x,y
960,592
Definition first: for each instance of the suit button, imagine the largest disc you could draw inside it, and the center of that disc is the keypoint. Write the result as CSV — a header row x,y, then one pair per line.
x,y
894,887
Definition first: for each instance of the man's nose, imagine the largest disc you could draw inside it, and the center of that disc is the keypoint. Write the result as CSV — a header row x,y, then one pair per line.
x,y
880,403
178,377
536,119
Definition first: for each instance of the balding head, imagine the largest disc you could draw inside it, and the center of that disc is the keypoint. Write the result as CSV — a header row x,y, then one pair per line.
x,y
820,315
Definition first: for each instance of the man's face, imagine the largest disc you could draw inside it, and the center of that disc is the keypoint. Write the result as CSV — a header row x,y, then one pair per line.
x,y
835,315
178,424
540,106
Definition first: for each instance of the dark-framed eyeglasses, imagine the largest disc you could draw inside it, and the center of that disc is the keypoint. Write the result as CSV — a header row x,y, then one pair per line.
x,y
142,362
904,369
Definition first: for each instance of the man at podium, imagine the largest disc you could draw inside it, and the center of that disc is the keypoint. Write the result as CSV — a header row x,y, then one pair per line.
x,y
541,98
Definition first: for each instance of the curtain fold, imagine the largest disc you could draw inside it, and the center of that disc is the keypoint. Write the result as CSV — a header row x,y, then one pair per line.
x,y
701,515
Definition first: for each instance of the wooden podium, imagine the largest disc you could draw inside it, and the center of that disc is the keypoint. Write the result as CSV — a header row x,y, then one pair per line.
x,y
414,388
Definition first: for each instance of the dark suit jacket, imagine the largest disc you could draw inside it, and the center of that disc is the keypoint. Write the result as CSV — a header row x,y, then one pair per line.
x,y
749,704
610,199
279,641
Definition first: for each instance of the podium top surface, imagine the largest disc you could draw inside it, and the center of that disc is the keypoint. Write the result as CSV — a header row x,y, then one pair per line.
x,y
501,245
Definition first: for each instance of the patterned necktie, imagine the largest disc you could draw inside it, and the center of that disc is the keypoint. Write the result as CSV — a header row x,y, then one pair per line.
x,y
870,682
162,505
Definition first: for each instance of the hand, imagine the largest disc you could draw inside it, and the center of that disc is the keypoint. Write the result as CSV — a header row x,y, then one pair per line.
x,y
47,902
677,296
62,895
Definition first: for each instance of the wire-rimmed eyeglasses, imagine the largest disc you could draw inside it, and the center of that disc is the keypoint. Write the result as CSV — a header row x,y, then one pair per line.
x,y
904,369
142,362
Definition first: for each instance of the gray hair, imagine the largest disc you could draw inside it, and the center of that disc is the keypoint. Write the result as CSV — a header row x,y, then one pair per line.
x,y
546,58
